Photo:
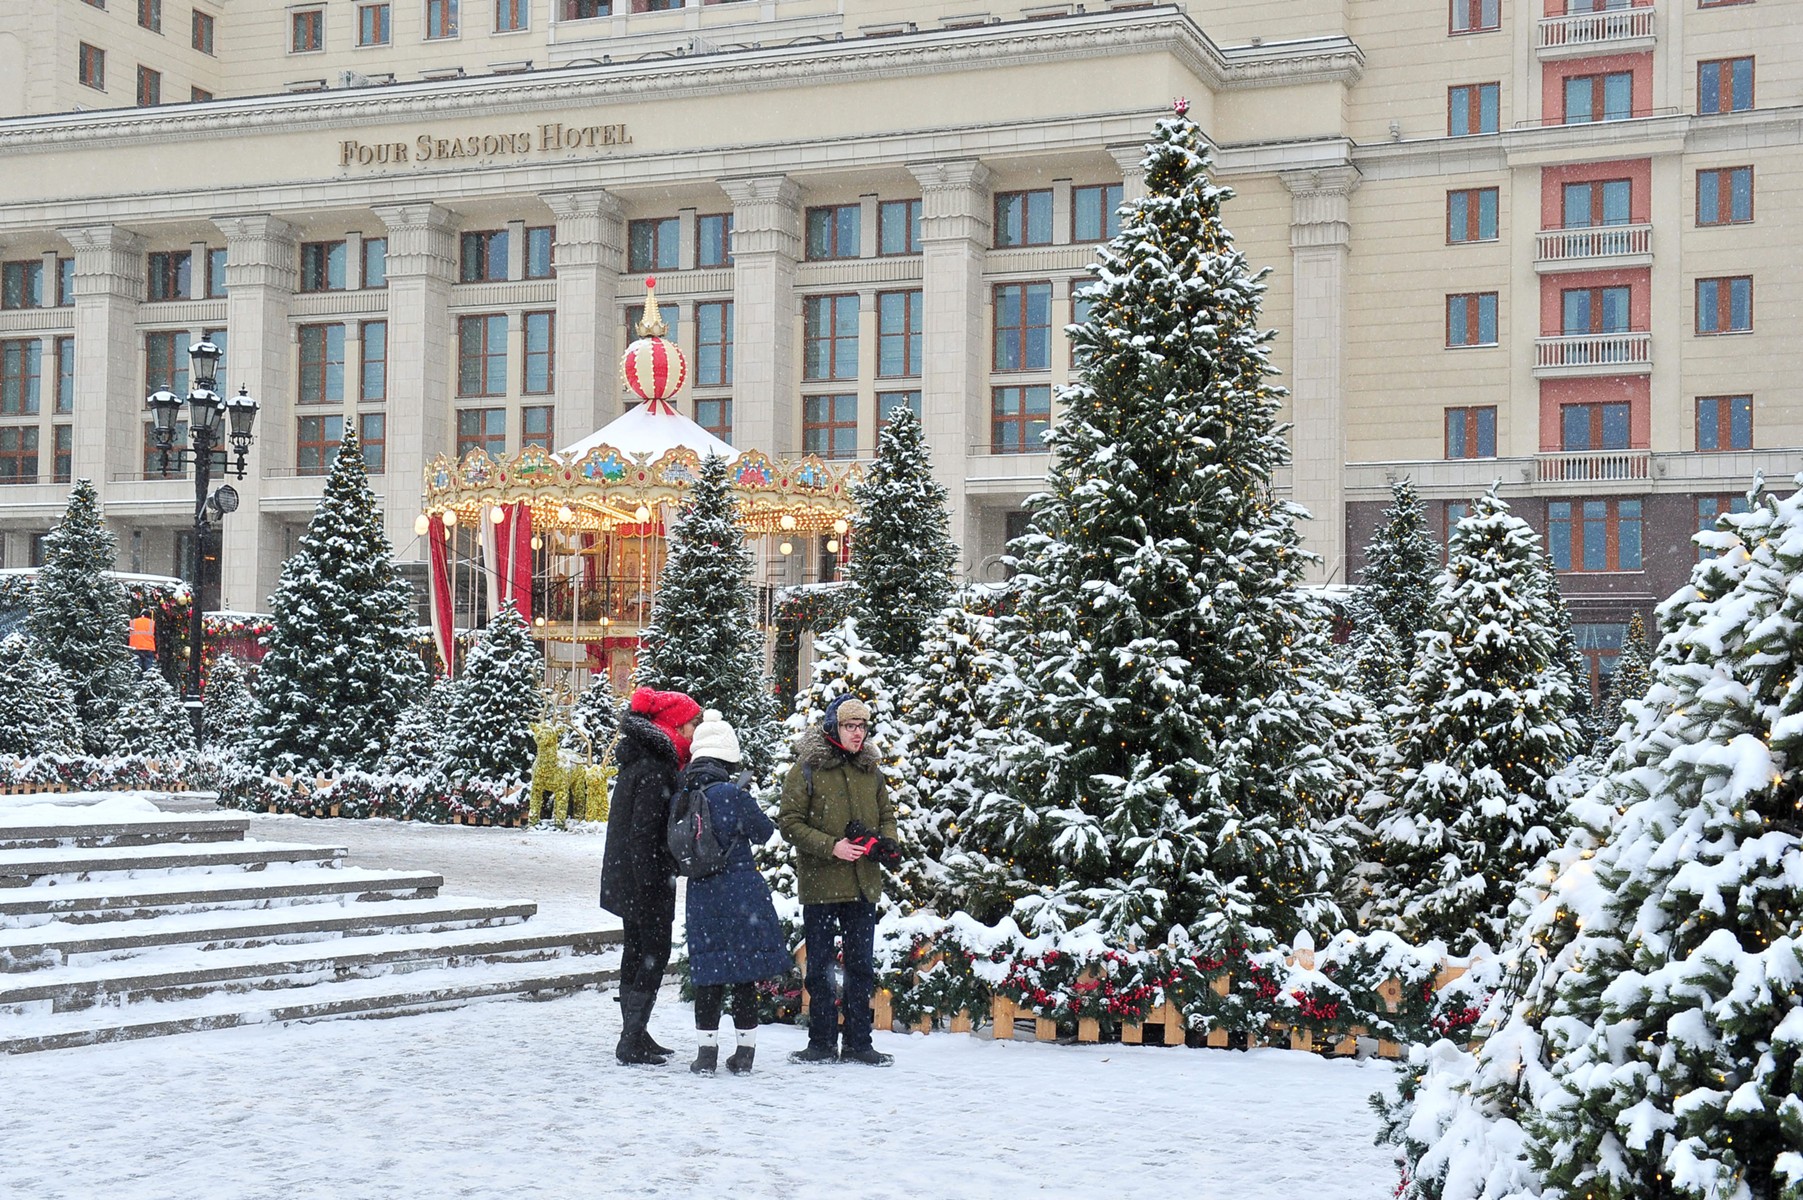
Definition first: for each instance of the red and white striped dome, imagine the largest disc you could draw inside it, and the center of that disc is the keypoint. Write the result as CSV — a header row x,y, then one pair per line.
x,y
654,368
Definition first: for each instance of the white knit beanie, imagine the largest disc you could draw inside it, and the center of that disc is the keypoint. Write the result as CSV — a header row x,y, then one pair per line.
x,y
714,738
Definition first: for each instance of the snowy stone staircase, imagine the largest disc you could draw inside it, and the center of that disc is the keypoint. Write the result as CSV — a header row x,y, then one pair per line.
x,y
118,921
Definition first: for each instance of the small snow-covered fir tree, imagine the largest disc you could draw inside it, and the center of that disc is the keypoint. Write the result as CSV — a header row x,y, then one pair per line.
x,y
703,638
228,710
1401,561
493,703
1166,749
1629,681
1468,806
902,554
597,714
418,745
1577,670
37,707
78,619
153,722
341,667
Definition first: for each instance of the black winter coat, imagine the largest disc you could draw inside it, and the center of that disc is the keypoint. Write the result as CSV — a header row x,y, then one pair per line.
x,y
638,876
734,936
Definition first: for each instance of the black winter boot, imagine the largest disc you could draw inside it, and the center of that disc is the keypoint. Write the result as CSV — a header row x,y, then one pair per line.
x,y
815,1055
707,1052
635,1006
740,1062
647,1043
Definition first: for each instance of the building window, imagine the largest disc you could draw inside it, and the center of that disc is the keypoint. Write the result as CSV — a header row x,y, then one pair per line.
x,y
832,231
1724,85
540,331
1018,419
1725,305
1471,432
19,369
1724,422
373,385
199,94
1452,512
373,25
888,402
316,444
713,240
713,343
829,348
1471,215
1596,202
63,460
1472,108
1023,218
1725,196
18,453
484,257
829,425
372,433
482,355
169,274
1710,511
483,429
1601,647
90,66
166,362
538,427
321,365
540,261
1475,16
898,324
375,262
150,15
667,313
1471,319
22,284
511,15
898,227
307,31
714,414
322,267
652,245
203,32
1023,327
64,400
150,87
1594,310
441,18
1599,97
1095,215
1594,535
216,262
65,282
1594,426
583,10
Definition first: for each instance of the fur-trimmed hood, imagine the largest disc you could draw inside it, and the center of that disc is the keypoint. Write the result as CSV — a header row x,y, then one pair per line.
x,y
812,750
640,739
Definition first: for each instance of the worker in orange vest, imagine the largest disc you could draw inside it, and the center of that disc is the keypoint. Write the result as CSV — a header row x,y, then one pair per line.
x,y
143,640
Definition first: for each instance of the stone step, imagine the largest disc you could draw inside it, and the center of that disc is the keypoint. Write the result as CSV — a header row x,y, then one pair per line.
x,y
421,991
60,942
114,899
24,867
178,972
34,833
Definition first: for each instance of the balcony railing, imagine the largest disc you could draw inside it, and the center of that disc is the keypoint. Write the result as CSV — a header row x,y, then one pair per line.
x,y
1594,466
1586,352
1590,30
1596,241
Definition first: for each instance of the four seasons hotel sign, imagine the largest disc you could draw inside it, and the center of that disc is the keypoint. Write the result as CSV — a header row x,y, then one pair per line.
x,y
548,138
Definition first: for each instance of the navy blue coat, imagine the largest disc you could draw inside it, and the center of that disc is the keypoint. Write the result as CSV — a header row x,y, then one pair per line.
x,y
734,936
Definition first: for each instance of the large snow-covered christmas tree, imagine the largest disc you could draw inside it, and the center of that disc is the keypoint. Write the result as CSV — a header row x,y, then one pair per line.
x,y
703,638
1166,748
1468,805
340,668
902,554
78,617
493,702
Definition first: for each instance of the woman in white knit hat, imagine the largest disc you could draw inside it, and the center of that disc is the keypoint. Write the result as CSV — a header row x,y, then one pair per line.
x,y
734,937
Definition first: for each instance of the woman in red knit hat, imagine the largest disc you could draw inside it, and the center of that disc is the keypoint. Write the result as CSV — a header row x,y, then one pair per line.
x,y
638,876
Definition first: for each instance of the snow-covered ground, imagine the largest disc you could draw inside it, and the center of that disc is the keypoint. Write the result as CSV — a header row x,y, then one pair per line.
x,y
520,1099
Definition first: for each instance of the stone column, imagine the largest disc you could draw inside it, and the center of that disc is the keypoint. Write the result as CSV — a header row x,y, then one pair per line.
x,y
1320,245
591,241
422,262
109,394
955,218
1133,176
766,243
261,268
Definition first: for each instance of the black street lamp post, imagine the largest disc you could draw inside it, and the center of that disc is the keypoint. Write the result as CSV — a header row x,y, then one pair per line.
x,y
209,416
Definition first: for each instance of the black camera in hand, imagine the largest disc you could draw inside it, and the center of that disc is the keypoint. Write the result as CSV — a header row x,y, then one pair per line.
x,y
877,848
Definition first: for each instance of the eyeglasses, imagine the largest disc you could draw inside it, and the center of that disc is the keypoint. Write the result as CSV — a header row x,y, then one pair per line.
x,y
853,726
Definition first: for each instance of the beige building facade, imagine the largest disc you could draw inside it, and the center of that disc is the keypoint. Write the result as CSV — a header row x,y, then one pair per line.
x,y
1506,242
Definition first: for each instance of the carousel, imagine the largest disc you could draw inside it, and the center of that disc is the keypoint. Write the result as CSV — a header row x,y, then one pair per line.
x,y
576,539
